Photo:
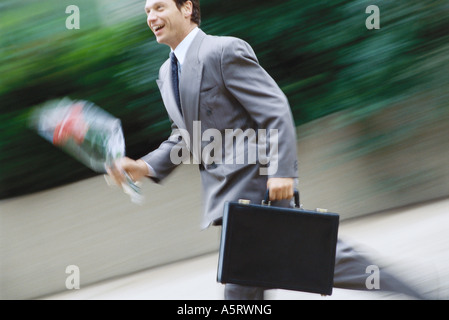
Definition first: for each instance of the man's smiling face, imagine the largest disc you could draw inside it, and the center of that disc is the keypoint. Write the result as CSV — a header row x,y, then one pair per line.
x,y
169,24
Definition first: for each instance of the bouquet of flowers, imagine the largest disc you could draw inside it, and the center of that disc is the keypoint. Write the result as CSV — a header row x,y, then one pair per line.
x,y
88,133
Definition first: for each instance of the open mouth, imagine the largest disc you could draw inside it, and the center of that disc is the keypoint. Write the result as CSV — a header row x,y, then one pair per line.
x,y
156,29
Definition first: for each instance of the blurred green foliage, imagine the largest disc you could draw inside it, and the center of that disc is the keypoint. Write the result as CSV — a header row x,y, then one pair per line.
x,y
320,53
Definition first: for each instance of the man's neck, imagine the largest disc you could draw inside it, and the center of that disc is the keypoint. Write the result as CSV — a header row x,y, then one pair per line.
x,y
185,34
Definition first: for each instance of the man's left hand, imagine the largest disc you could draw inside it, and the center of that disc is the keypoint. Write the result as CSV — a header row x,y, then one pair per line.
x,y
280,188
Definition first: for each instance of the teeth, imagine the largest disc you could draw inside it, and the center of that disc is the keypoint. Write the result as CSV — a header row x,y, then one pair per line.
x,y
156,28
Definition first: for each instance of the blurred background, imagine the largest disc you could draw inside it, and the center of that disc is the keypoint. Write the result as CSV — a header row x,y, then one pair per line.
x,y
371,108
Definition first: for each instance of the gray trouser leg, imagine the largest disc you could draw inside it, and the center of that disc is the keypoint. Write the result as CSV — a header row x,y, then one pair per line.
x,y
238,292
350,273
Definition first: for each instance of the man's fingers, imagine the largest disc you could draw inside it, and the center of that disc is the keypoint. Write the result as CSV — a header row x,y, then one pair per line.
x,y
280,188
274,194
280,193
125,169
116,175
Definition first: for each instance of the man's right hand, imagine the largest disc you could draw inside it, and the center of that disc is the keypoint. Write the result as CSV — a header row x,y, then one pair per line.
x,y
136,170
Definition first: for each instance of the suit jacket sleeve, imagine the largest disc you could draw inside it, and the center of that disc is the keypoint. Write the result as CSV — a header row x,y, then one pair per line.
x,y
161,159
262,98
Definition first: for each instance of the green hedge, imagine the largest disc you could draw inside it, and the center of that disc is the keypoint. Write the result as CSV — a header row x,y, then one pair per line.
x,y
319,52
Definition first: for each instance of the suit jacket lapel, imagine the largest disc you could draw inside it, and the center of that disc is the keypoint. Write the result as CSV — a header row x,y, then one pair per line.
x,y
189,89
190,82
166,89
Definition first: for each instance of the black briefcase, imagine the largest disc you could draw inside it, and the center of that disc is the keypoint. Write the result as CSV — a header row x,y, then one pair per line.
x,y
274,247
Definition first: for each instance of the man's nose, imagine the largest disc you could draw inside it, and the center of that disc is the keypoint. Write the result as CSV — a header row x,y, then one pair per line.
x,y
151,18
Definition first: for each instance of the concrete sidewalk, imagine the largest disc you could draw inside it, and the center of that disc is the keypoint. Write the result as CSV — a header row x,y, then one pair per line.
x,y
412,240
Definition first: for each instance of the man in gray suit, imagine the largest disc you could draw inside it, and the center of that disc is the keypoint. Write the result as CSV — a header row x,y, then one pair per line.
x,y
223,107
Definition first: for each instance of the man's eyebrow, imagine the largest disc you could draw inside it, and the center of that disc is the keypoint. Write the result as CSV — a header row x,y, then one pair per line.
x,y
147,8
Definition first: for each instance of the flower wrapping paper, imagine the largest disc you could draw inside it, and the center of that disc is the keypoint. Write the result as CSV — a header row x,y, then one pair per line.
x,y
86,132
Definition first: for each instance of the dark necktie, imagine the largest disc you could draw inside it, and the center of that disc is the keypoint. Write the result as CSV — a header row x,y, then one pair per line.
x,y
175,79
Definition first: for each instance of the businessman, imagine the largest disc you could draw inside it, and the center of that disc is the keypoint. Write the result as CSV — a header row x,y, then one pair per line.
x,y
213,86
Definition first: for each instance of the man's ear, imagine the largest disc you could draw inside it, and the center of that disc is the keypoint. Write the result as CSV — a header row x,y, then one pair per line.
x,y
187,9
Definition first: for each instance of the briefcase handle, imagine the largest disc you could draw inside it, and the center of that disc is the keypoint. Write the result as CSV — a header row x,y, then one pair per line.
x,y
266,200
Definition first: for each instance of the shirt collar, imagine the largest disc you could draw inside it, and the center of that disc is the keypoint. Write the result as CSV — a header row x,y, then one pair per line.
x,y
181,49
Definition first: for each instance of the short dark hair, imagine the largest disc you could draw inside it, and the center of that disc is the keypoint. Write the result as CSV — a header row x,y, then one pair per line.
x,y
196,12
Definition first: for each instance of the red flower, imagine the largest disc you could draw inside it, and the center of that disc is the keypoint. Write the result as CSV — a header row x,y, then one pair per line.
x,y
73,126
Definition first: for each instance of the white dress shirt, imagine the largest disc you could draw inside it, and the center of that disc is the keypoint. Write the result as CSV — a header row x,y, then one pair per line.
x,y
182,48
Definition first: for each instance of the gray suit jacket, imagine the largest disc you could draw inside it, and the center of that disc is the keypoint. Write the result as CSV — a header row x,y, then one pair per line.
x,y
223,87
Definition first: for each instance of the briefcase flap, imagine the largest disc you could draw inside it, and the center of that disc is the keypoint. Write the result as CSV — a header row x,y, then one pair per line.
x,y
274,247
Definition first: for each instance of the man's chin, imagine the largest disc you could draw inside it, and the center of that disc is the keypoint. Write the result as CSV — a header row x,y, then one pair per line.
x,y
160,40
